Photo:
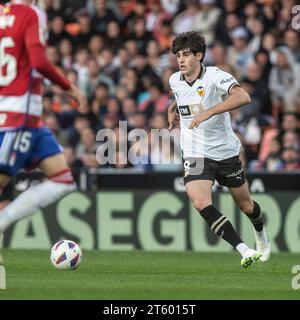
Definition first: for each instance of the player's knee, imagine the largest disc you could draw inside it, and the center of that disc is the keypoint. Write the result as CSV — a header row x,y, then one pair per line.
x,y
247,206
64,182
201,203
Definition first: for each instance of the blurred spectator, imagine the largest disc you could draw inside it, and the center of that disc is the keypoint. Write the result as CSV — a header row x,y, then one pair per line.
x,y
52,123
138,12
239,54
85,29
206,20
140,35
156,60
129,107
106,62
157,102
52,8
130,81
228,20
57,31
290,157
95,76
171,7
158,121
290,139
165,35
284,82
114,38
269,42
80,122
290,121
292,41
184,20
155,16
219,59
137,120
87,143
259,91
284,15
66,54
80,66
274,162
95,46
256,28
100,100
132,48
53,55
102,16
263,60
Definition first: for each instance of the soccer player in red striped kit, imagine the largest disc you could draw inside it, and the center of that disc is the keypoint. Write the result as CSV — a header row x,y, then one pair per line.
x,y
24,141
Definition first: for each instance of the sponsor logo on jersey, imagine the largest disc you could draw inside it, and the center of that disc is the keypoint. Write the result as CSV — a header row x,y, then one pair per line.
x,y
184,110
190,110
223,81
200,91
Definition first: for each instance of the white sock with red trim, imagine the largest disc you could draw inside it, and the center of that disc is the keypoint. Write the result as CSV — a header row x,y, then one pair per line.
x,y
36,197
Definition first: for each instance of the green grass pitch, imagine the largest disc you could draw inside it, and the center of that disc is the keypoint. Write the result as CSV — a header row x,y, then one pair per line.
x,y
148,275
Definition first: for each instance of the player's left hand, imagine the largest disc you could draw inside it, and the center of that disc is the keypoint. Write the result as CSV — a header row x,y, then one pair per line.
x,y
75,93
200,117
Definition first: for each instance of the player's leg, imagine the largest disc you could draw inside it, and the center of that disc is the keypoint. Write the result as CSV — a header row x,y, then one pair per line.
x,y
232,175
4,199
6,190
4,180
59,182
200,193
251,209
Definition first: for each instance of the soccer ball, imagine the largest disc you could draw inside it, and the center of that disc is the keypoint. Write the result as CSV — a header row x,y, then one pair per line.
x,y
65,254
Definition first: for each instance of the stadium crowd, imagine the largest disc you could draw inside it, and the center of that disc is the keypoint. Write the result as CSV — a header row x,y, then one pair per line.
x,y
118,52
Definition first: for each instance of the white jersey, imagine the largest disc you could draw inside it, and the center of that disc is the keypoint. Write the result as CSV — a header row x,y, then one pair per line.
x,y
213,138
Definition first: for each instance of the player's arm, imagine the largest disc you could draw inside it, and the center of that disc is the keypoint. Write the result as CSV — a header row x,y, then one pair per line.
x,y
39,61
237,97
172,114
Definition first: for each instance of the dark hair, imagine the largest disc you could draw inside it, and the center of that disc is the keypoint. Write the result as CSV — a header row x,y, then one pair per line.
x,y
189,40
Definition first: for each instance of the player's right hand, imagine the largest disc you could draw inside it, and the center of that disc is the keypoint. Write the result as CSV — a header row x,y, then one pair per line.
x,y
75,93
173,118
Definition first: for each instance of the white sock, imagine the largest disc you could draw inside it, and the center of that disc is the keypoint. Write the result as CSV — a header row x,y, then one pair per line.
x,y
29,201
242,248
261,235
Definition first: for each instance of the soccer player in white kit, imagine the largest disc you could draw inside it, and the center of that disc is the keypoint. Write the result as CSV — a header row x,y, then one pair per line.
x,y
210,149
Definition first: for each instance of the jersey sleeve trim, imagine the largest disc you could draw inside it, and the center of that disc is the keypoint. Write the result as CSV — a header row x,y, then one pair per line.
x,y
231,86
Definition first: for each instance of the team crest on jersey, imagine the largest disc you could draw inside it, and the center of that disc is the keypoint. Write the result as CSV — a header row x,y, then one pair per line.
x,y
200,91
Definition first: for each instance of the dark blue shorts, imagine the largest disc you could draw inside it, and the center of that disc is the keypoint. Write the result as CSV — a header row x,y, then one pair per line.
x,y
25,149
